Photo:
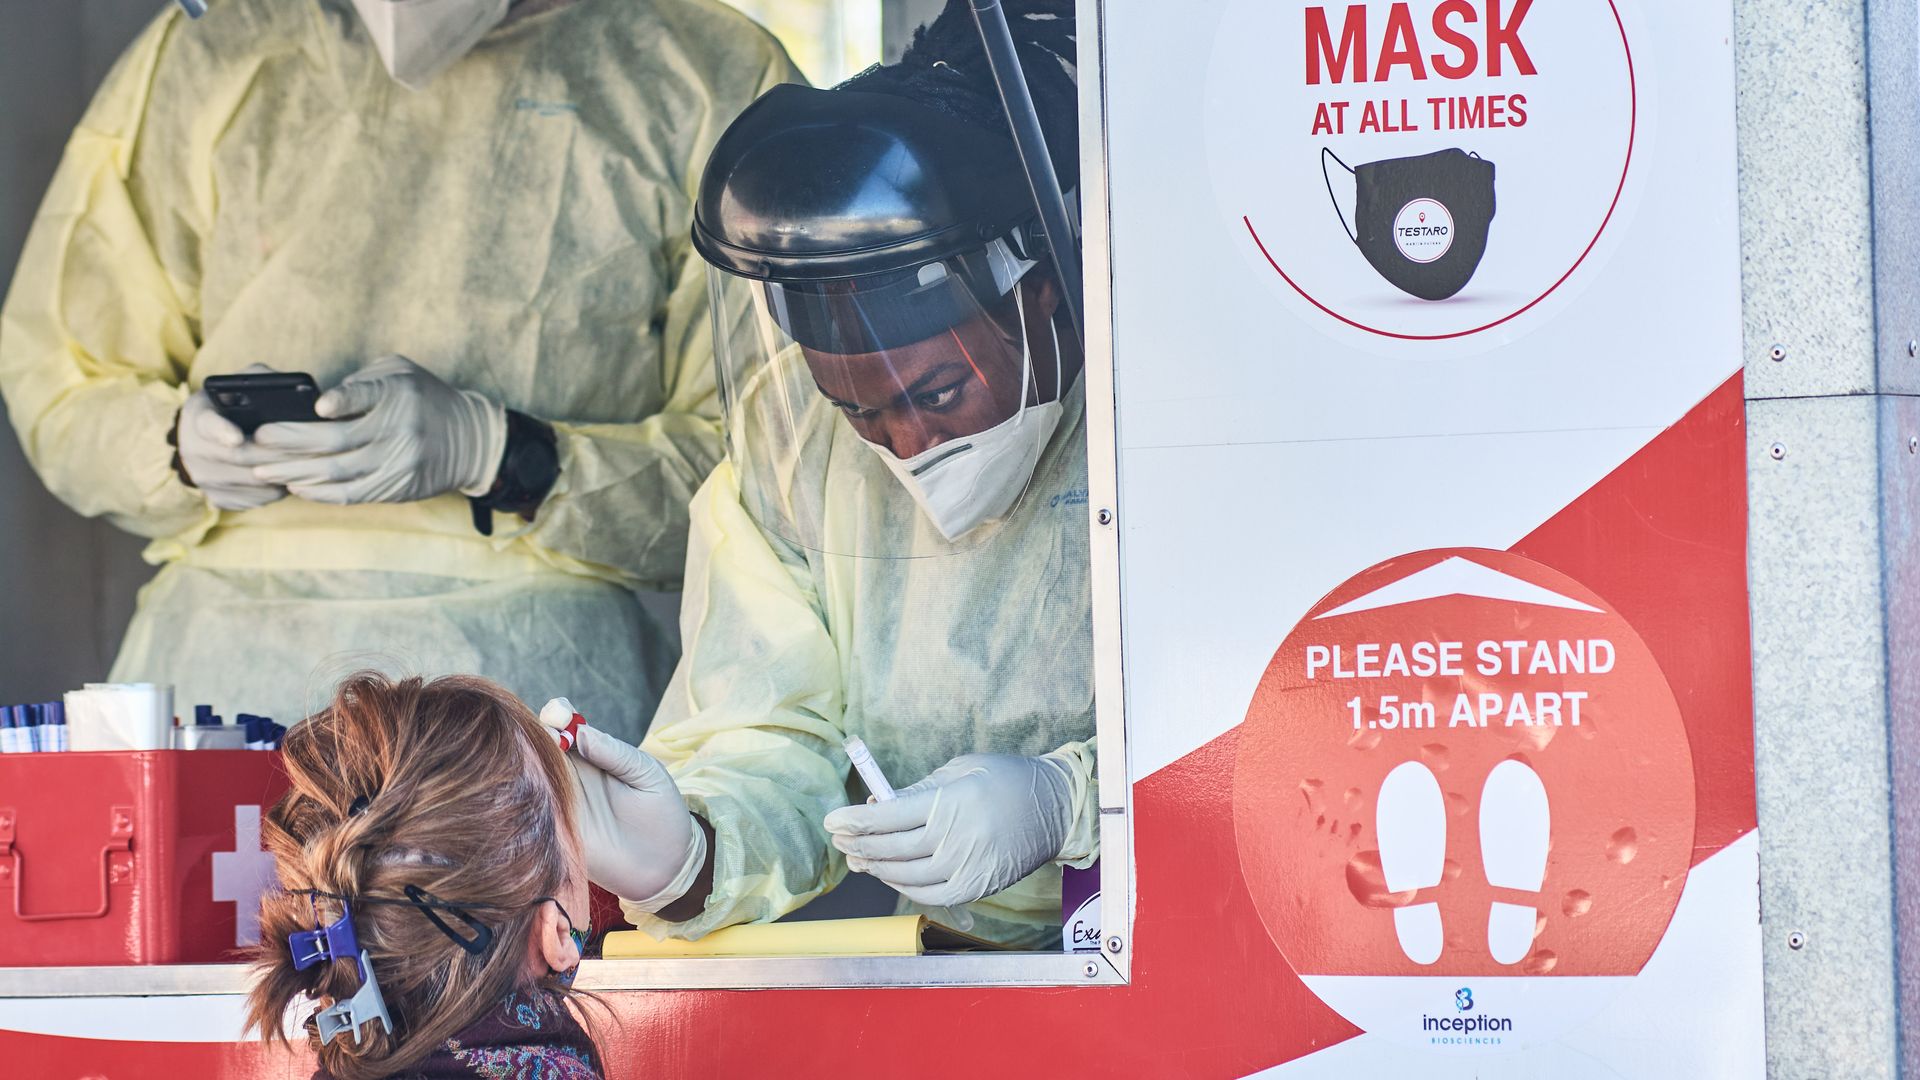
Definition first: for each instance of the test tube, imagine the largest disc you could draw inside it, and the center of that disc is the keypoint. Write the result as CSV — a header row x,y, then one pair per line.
x,y
54,714
868,769
21,720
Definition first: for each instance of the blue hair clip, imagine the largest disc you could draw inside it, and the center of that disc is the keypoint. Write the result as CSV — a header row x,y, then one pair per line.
x,y
336,942
366,1004
194,8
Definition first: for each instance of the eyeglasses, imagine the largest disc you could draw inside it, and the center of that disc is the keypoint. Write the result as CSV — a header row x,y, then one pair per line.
x,y
580,937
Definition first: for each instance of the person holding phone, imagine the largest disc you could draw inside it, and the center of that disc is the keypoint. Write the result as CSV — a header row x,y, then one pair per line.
x,y
466,220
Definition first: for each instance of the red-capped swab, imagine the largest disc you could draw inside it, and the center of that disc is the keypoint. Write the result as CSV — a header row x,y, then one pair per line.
x,y
558,716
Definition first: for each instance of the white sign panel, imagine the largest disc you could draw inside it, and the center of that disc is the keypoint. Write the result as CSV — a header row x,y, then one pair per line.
x,y
1424,311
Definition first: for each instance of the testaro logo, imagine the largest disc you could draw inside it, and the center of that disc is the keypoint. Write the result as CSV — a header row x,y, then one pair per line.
x,y
1423,230
1463,1030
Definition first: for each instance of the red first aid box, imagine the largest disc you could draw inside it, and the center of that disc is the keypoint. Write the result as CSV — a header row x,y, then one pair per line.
x,y
149,857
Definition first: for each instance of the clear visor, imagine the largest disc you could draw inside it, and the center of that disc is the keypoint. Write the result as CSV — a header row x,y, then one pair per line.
x,y
894,418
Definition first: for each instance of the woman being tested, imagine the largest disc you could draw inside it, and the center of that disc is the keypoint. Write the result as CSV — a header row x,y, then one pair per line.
x,y
432,896
467,220
897,546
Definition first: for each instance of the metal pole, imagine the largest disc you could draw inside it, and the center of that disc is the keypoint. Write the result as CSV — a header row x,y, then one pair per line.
x,y
1032,145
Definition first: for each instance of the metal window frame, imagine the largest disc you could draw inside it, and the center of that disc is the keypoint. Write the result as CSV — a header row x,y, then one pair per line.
x,y
1112,966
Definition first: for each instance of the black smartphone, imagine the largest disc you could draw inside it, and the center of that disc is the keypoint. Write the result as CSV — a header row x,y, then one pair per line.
x,y
265,398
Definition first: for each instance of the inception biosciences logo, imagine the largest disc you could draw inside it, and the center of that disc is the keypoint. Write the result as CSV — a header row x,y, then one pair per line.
x,y
1462,1029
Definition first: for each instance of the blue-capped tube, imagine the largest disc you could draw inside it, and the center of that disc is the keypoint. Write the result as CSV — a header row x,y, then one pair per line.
x,y
12,720
194,8
54,729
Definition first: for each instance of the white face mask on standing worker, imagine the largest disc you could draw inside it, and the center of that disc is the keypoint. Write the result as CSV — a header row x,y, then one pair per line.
x,y
418,39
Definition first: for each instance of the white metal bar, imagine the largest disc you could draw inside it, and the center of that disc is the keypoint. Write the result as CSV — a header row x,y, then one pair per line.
x,y
720,973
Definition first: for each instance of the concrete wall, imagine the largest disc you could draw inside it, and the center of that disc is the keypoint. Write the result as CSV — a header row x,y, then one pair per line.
x,y
1829,205
66,584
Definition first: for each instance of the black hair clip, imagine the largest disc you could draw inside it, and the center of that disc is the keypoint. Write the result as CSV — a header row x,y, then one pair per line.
x,y
359,804
337,941
476,945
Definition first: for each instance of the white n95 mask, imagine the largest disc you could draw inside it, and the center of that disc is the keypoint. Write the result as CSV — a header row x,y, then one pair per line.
x,y
963,483
418,39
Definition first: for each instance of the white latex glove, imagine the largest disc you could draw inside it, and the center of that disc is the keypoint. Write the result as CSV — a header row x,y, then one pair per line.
x,y
980,823
641,842
393,432
220,459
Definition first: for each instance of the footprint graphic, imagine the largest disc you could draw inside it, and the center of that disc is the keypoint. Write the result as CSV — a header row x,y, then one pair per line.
x,y
1411,821
1514,840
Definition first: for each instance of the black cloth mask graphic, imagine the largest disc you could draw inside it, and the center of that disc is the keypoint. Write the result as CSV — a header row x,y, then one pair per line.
x,y
1460,182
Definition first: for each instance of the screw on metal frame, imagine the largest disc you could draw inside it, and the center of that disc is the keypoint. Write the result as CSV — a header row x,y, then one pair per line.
x,y
1777,353
1778,450
1796,940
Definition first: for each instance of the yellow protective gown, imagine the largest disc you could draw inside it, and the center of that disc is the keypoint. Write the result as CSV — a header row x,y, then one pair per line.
x,y
253,187
788,650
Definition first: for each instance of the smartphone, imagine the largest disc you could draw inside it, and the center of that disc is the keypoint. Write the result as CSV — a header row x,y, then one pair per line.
x,y
265,398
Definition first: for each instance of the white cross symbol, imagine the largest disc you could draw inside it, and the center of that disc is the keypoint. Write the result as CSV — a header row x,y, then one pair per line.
x,y
243,875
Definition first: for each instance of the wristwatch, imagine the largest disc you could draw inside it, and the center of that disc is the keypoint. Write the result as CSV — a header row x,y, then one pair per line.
x,y
528,469
173,440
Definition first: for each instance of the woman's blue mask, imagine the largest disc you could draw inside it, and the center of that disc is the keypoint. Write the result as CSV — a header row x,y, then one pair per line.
x,y
580,938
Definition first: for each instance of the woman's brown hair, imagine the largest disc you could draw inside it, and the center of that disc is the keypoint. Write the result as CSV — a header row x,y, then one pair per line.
x,y
449,786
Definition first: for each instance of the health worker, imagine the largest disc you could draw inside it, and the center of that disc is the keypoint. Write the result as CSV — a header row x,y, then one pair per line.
x,y
897,546
467,220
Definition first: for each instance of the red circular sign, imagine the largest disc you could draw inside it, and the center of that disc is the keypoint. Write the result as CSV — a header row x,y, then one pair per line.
x,y
1464,763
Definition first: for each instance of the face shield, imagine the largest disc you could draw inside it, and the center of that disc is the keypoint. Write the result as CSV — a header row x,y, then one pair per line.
x,y
897,415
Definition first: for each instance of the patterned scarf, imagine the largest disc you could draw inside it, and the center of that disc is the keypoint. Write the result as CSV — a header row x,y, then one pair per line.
x,y
530,1036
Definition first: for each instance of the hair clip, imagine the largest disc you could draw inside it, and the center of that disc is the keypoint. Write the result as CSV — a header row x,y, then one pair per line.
x,y
482,937
359,803
336,942
366,1004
